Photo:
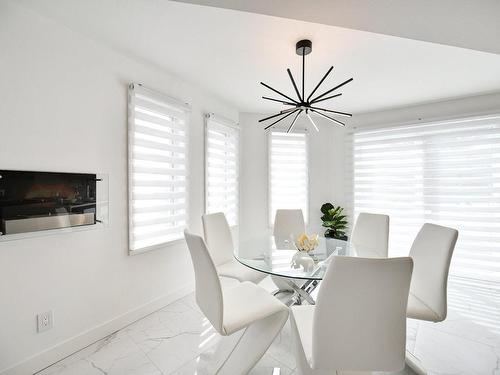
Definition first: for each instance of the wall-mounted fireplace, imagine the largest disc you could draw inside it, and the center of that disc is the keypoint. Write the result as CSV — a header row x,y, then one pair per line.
x,y
37,201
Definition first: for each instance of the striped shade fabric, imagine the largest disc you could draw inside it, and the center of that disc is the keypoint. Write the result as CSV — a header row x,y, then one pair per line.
x,y
222,168
157,168
446,173
288,172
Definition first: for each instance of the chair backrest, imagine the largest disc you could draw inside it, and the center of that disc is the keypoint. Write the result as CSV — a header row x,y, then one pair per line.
x,y
431,252
360,316
208,289
371,232
289,223
218,237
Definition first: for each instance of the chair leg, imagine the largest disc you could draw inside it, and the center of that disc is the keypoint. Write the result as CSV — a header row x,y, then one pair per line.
x,y
300,357
252,345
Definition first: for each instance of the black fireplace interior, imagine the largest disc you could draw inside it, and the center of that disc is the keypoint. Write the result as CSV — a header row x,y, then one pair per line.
x,y
33,201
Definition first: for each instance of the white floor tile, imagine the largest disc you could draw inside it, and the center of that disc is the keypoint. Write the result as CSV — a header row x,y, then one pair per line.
x,y
179,340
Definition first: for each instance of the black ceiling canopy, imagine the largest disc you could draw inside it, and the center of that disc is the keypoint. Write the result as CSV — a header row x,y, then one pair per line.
x,y
304,105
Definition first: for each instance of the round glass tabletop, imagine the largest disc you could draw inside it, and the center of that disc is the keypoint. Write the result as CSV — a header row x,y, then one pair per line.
x,y
280,257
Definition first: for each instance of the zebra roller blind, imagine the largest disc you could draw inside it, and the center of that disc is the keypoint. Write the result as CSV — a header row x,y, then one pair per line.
x,y
158,178
288,172
446,173
222,168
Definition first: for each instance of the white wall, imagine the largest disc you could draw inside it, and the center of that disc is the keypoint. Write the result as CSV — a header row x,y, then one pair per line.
x,y
63,108
454,108
325,170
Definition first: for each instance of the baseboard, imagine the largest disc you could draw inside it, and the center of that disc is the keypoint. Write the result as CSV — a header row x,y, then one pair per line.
x,y
59,351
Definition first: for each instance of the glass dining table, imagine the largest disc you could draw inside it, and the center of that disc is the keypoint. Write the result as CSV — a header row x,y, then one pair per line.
x,y
301,271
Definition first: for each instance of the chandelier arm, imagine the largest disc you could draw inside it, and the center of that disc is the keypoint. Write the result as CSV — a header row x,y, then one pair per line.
x,y
293,82
277,92
312,122
336,112
328,97
277,114
284,117
278,100
319,84
329,91
327,117
294,121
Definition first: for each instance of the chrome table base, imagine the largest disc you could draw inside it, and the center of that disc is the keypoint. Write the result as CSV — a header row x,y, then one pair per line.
x,y
298,294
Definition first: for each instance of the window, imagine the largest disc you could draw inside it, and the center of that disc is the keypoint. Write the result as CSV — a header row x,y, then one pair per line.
x,y
221,168
443,172
288,172
157,168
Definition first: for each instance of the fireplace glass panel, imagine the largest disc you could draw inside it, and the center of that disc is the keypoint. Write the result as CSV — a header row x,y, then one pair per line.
x,y
37,201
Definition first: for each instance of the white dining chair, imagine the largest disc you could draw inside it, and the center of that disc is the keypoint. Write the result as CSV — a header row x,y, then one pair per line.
x,y
220,244
244,306
288,225
359,320
431,252
371,233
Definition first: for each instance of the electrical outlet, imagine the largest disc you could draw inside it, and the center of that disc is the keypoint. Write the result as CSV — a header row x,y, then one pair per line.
x,y
45,321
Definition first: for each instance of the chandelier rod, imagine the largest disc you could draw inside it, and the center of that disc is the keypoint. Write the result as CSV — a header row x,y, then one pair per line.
x,y
329,91
329,110
319,84
328,97
303,68
276,91
294,121
278,100
328,117
284,117
293,82
312,122
276,115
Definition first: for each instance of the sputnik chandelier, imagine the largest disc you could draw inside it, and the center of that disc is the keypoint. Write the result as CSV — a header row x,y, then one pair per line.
x,y
303,104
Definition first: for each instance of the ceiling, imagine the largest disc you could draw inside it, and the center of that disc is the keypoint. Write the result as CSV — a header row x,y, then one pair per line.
x,y
459,23
229,52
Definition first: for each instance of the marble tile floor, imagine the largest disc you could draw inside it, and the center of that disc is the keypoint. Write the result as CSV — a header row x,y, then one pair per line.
x,y
179,340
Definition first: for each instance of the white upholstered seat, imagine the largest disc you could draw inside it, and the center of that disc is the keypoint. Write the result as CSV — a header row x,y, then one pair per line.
x,y
235,270
220,244
417,309
244,306
359,320
245,303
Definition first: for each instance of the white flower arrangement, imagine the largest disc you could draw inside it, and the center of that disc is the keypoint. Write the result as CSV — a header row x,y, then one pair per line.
x,y
307,243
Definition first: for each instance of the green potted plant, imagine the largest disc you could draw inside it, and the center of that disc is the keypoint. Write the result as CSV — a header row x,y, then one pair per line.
x,y
334,220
